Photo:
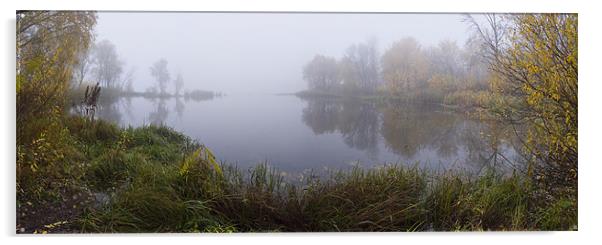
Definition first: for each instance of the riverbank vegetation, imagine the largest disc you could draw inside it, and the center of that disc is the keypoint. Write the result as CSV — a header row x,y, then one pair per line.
x,y
151,194
76,173
153,179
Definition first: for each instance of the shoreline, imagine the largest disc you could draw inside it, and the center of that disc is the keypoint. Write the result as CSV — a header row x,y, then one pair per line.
x,y
379,99
157,181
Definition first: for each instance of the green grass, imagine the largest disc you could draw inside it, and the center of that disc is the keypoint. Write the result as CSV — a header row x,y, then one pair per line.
x,y
156,182
489,202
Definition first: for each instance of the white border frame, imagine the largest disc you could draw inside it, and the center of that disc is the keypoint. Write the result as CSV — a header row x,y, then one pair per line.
x,y
589,38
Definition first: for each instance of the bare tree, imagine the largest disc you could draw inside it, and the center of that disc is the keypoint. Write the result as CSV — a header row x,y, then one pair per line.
x,y
446,58
360,66
82,67
492,33
108,67
161,74
128,80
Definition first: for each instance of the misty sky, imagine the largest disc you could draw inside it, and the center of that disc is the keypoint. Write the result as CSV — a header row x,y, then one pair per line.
x,y
253,52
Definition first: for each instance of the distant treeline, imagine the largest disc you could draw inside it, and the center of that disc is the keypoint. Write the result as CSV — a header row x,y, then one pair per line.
x,y
100,64
406,70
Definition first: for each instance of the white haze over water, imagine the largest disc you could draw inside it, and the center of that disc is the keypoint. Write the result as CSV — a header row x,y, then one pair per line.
x,y
254,53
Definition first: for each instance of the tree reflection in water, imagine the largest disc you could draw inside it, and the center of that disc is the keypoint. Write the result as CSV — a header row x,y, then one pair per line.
x,y
374,132
410,129
179,107
108,107
159,115
356,121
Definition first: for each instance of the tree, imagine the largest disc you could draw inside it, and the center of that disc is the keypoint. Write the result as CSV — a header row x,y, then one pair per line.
x,y
405,66
360,67
48,44
128,80
108,67
446,58
321,73
179,82
445,67
350,78
535,66
48,47
82,67
475,64
161,74
493,34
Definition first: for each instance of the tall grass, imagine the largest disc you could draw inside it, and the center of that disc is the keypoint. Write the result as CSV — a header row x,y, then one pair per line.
x,y
157,181
384,199
390,198
489,202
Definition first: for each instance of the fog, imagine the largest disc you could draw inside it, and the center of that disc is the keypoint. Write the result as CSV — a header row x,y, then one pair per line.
x,y
240,53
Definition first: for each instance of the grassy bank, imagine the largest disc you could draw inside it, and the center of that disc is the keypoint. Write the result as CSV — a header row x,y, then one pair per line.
x,y
152,179
466,100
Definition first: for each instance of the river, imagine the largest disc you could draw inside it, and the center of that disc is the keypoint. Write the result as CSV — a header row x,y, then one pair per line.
x,y
297,135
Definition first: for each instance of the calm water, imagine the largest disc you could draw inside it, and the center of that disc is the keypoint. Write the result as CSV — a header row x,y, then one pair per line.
x,y
295,135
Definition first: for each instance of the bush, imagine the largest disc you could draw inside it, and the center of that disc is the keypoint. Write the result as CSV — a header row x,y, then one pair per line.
x,y
48,163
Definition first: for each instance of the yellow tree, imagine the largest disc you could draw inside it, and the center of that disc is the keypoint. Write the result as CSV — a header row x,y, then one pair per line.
x,y
404,66
536,73
48,44
48,48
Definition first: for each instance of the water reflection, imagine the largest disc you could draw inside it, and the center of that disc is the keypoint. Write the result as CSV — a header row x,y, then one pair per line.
x,y
357,122
295,134
160,113
179,108
414,132
108,108
128,108
493,143
408,129
113,108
